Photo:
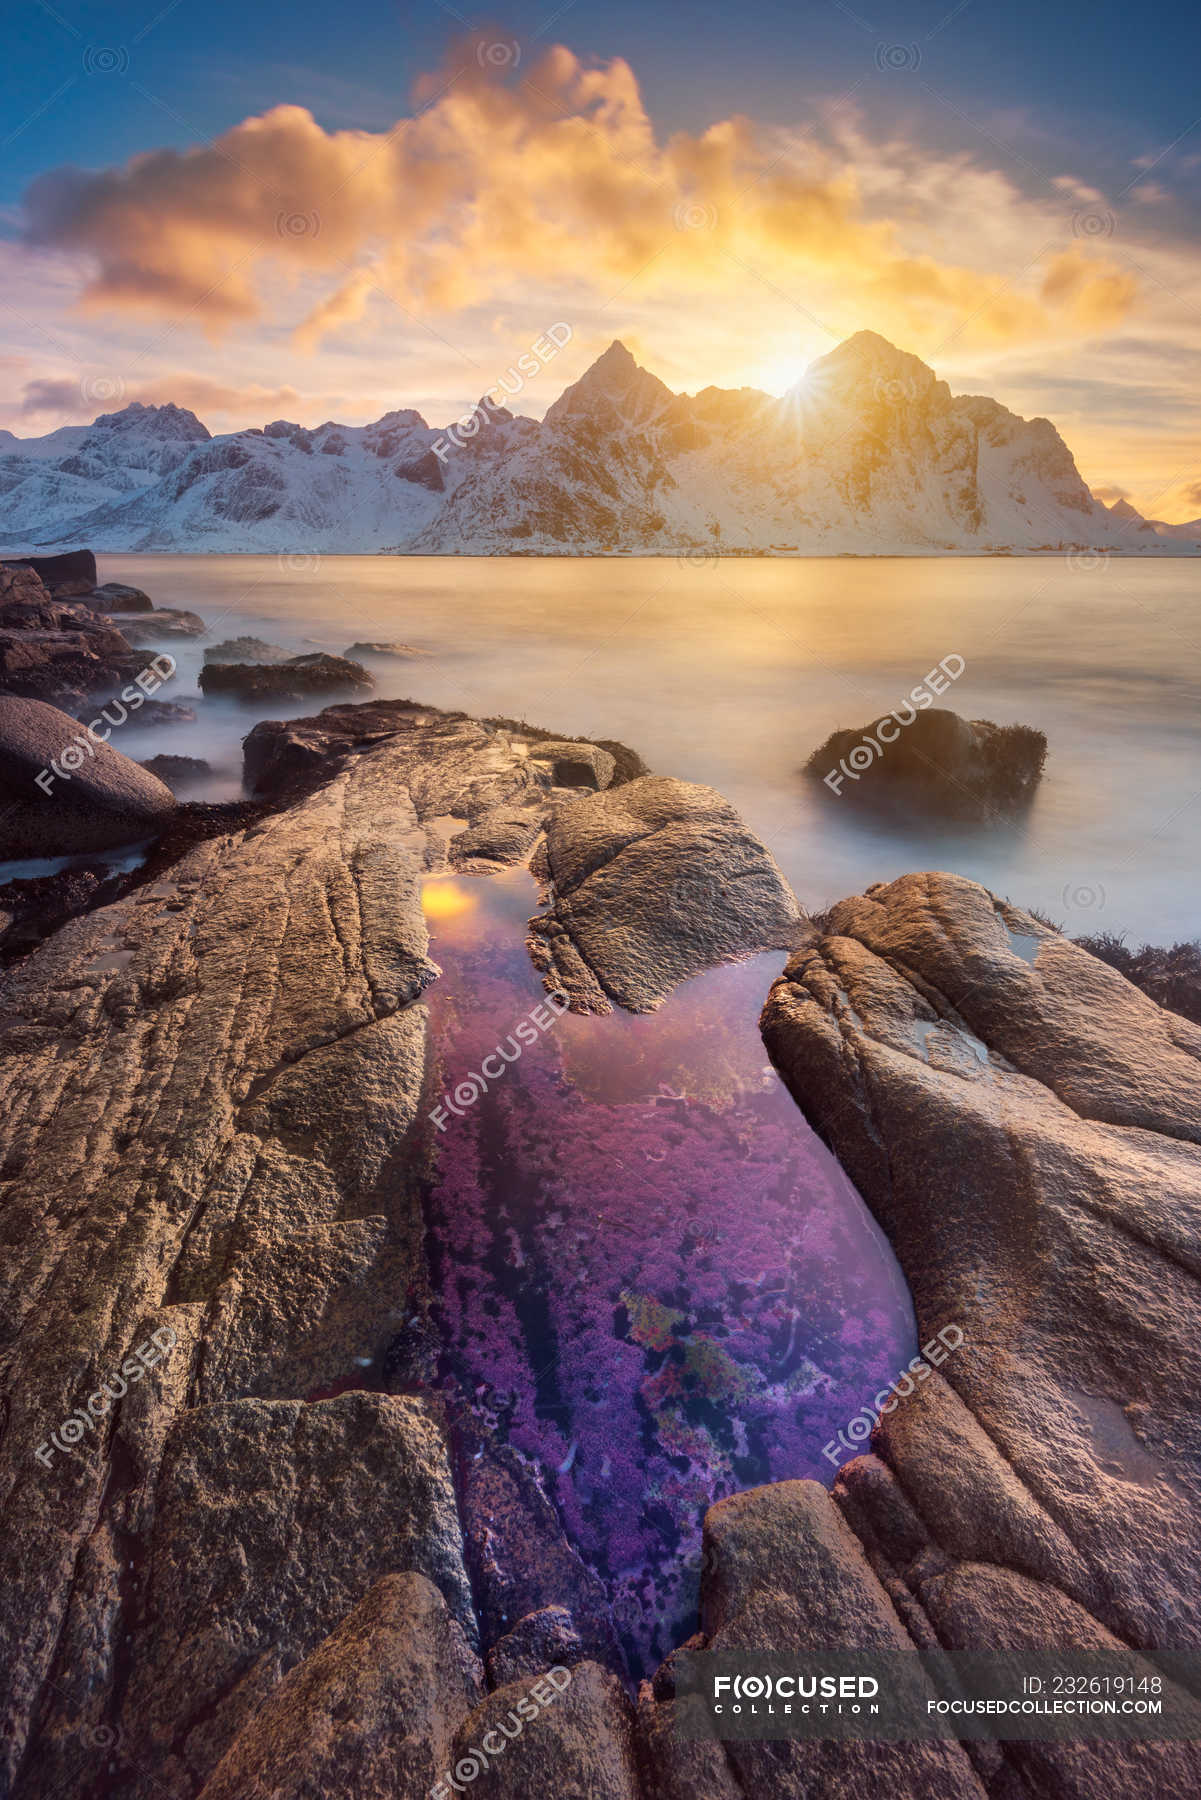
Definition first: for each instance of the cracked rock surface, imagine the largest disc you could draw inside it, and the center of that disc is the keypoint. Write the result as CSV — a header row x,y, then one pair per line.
x,y
649,883
1026,1125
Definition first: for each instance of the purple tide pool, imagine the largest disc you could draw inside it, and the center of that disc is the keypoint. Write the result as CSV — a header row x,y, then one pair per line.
x,y
652,1278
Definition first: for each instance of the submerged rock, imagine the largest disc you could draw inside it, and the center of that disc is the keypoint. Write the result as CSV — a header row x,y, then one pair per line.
x,y
294,679
246,650
64,791
934,761
178,771
648,884
382,649
160,622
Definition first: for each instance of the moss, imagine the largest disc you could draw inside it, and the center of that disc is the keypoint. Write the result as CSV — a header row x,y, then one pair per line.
x,y
651,1323
709,1369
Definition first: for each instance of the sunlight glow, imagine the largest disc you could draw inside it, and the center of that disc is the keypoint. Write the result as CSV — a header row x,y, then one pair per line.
x,y
446,899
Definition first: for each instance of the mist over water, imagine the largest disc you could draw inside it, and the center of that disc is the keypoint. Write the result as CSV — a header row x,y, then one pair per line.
x,y
732,672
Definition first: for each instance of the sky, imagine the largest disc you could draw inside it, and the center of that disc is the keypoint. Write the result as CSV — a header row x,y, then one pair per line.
x,y
320,212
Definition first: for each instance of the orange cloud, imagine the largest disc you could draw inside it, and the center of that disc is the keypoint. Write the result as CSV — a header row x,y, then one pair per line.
x,y
552,177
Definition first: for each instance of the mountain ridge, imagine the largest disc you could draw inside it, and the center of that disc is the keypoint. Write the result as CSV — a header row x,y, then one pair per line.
x,y
869,453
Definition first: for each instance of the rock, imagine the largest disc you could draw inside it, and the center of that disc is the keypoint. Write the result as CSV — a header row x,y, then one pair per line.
x,y
213,1096
382,649
576,765
54,650
161,622
32,907
166,712
648,884
178,771
290,680
272,1520
1026,1125
245,650
1172,976
73,572
90,797
784,1573
118,596
937,762
371,1712
536,1643
578,1741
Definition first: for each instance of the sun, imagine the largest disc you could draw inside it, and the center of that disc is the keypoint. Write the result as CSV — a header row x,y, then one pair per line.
x,y
780,373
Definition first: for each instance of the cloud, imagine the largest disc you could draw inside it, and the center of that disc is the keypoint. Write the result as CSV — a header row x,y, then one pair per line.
x,y
1095,293
51,394
551,178
78,399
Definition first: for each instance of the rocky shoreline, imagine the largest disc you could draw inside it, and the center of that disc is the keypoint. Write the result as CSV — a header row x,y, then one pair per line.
x,y
270,1559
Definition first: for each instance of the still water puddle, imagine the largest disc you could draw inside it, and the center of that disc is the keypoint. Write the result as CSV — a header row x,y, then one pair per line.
x,y
655,1281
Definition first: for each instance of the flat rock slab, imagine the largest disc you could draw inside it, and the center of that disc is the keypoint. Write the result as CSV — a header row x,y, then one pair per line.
x,y
648,884
90,797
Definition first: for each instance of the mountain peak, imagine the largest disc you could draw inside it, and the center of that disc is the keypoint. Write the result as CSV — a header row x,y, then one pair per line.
x,y
615,389
165,421
867,362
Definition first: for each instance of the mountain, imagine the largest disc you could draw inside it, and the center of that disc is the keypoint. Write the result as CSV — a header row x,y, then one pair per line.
x,y
870,453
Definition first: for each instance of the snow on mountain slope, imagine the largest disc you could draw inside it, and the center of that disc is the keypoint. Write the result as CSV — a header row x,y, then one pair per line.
x,y
870,453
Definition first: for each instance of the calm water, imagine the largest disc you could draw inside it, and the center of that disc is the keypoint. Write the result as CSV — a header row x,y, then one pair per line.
x,y
652,1279
731,673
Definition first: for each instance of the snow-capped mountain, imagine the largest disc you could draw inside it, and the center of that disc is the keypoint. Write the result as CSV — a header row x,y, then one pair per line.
x,y
870,453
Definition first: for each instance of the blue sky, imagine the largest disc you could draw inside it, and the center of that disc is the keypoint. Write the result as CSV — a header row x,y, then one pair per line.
x,y
1009,191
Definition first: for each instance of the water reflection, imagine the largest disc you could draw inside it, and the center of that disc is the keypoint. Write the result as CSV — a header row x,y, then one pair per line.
x,y
655,1280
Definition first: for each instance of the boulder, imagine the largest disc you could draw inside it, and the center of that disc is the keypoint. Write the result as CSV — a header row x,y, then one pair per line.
x,y
568,1732
245,650
382,649
371,1712
118,596
541,1641
574,764
648,884
273,1519
72,572
936,762
783,1573
291,680
166,712
88,797
160,622
178,771
1026,1126
55,649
